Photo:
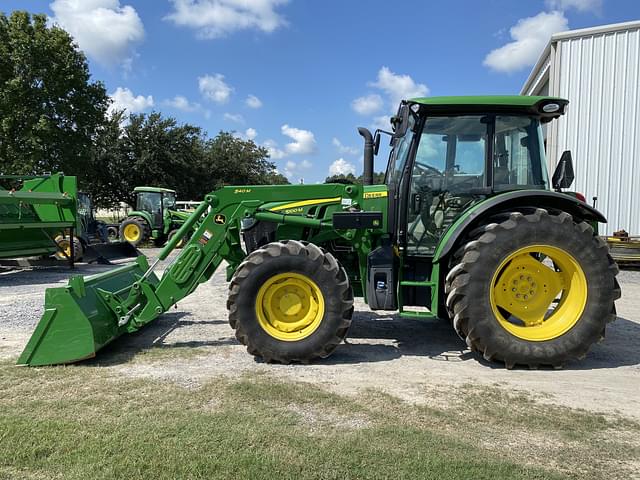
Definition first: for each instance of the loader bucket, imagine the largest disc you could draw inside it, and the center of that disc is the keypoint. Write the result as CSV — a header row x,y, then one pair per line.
x,y
76,322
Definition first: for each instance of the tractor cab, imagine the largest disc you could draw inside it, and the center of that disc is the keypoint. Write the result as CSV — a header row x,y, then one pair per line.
x,y
444,160
155,202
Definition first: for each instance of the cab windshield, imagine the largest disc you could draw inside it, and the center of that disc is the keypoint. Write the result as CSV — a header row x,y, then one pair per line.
x,y
455,160
470,153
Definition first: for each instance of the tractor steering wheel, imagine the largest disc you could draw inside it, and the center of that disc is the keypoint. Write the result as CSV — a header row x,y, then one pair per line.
x,y
428,169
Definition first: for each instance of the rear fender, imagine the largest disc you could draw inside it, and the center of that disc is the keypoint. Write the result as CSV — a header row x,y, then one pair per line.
x,y
145,215
513,201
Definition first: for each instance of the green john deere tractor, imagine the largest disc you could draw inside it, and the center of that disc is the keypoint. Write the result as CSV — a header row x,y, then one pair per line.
x,y
155,217
467,226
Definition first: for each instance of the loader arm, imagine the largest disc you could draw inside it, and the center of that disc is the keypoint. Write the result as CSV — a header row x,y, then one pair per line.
x,y
91,312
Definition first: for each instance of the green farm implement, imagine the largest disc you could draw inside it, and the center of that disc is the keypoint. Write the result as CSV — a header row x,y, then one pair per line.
x,y
34,210
467,226
45,216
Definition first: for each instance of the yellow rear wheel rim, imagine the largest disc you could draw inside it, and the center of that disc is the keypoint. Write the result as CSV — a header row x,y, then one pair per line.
x,y
538,293
131,232
289,306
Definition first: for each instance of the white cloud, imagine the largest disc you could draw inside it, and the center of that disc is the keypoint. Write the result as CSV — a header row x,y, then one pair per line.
x,y
214,88
124,99
367,105
274,152
580,5
253,102
530,35
234,117
250,133
295,170
304,141
104,30
218,18
398,87
341,167
383,122
181,103
344,149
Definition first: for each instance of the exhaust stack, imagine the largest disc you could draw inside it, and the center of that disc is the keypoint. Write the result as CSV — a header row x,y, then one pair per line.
x,y
368,156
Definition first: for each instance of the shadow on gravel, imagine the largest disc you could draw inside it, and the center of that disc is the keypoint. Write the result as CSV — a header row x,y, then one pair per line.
x,y
437,340
39,276
377,338
428,338
618,349
621,347
152,337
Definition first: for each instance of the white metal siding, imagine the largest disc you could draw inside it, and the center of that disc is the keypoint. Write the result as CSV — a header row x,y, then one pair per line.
x,y
600,75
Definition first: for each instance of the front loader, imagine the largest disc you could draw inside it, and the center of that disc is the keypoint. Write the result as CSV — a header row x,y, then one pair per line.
x,y
467,226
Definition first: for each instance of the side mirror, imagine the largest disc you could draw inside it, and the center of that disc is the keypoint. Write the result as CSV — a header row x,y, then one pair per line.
x,y
376,142
400,121
563,176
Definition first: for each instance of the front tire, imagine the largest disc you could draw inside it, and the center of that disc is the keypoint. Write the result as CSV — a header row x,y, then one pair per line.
x,y
134,230
290,302
112,234
183,241
532,289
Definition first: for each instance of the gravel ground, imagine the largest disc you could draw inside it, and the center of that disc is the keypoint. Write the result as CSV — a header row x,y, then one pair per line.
x,y
416,360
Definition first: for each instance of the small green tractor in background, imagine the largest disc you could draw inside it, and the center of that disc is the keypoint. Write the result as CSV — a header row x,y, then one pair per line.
x,y
467,226
155,217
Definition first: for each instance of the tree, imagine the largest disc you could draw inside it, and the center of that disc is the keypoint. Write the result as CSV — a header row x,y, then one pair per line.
x,y
152,150
146,150
240,162
378,178
349,178
54,118
50,111
275,178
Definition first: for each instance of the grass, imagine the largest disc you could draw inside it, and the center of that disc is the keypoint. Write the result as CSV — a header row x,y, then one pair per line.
x,y
83,422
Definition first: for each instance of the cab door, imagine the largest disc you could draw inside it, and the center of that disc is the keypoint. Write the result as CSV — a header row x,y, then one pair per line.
x,y
448,171
151,202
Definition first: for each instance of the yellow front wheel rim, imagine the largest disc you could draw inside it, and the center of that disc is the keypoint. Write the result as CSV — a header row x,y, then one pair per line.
x,y
289,306
131,232
538,293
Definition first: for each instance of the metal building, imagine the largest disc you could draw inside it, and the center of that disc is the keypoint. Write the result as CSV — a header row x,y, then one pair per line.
x,y
598,70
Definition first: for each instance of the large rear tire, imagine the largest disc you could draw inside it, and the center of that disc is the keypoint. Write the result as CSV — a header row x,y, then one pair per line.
x,y
532,289
290,302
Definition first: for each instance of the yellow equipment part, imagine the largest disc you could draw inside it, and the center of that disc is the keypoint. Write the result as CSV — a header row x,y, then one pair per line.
x,y
525,291
289,306
131,232
64,244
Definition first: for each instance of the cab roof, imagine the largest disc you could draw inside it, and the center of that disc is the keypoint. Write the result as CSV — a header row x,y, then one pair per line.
x,y
153,189
543,106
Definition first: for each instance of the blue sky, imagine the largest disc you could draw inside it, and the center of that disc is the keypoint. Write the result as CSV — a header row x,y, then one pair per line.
x,y
299,76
